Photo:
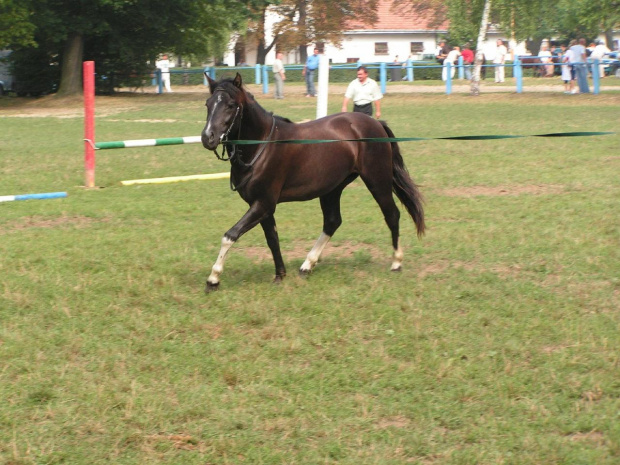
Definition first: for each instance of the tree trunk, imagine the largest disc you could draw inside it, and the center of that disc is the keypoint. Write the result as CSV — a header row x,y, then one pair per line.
x,y
301,24
71,71
475,80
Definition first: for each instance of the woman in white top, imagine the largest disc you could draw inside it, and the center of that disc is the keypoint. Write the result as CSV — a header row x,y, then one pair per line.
x,y
547,60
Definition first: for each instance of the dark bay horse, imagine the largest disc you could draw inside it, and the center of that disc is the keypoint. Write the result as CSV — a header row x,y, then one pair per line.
x,y
267,174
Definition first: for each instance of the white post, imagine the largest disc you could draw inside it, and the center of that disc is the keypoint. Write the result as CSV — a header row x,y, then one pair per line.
x,y
321,100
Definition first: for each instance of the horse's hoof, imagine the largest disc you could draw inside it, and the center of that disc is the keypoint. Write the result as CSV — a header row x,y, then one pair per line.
x,y
278,279
304,273
211,287
397,270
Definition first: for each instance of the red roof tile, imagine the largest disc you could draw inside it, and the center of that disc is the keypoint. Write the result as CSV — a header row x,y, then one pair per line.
x,y
402,17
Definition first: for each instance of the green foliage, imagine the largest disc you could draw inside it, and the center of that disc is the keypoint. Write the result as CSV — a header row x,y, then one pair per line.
x,y
15,27
125,36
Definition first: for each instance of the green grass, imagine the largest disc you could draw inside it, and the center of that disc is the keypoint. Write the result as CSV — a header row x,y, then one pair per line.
x,y
498,343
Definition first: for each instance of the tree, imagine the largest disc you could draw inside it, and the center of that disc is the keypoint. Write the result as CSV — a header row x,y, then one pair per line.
x,y
120,35
475,81
303,22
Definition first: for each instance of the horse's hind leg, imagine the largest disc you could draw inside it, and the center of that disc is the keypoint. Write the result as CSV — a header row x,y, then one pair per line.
x,y
382,193
330,204
273,241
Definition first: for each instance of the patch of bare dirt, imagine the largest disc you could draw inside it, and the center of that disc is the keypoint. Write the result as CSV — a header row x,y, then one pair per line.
x,y
300,250
481,191
393,422
46,222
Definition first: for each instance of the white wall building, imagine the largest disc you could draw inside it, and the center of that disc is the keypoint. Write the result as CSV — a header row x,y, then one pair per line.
x,y
398,31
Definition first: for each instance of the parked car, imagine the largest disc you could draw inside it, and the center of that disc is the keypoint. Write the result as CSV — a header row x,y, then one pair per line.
x,y
612,64
6,77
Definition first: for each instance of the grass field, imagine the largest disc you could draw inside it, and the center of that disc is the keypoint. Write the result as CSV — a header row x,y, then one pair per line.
x,y
499,342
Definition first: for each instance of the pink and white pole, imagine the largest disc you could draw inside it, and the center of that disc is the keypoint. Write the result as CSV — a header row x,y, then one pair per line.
x,y
89,122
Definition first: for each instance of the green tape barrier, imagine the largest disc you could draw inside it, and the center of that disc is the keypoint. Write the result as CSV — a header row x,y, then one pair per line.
x,y
408,139
196,139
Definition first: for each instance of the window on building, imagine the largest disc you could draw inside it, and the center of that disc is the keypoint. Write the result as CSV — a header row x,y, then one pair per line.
x,y
417,47
352,60
381,48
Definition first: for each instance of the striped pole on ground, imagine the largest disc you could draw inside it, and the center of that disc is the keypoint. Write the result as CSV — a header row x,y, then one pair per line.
x,y
124,144
47,195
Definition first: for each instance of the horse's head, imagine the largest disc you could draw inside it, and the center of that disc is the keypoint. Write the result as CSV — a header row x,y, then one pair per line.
x,y
224,110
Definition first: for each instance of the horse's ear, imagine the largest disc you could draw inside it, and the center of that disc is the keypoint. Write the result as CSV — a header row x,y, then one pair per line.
x,y
238,82
211,82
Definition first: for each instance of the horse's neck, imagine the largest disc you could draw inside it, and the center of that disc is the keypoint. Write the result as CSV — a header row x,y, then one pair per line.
x,y
256,123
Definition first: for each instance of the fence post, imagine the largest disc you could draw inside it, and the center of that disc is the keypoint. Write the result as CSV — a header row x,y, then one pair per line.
x,y
518,74
323,86
383,76
205,72
257,73
88,70
409,70
461,70
448,78
212,72
596,78
265,80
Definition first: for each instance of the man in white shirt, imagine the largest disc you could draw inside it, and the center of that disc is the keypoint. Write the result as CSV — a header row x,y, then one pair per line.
x,y
279,75
363,91
164,66
500,59
579,55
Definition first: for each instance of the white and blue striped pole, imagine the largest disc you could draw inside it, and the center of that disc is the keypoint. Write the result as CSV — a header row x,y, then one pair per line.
x,y
47,195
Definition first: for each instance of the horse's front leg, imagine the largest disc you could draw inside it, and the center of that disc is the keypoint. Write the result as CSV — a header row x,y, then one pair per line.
x,y
252,217
273,241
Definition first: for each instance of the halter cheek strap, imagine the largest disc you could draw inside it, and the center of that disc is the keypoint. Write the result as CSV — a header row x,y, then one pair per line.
x,y
224,137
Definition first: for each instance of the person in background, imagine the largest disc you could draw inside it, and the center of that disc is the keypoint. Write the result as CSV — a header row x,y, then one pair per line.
x,y
599,53
395,70
279,75
568,74
164,65
500,60
468,60
451,58
547,61
363,91
312,63
580,66
441,52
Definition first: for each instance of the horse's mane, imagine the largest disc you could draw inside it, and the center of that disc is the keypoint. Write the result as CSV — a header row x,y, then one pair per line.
x,y
242,95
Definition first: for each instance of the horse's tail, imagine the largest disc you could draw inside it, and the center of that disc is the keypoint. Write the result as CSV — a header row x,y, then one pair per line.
x,y
404,187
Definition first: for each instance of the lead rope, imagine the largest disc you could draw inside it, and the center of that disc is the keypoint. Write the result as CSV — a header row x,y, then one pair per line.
x,y
258,154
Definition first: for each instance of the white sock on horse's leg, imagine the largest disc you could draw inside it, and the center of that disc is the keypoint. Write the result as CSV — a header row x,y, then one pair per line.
x,y
315,253
218,267
397,258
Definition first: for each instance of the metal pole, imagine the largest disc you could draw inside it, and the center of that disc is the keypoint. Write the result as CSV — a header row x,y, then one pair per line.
x,y
383,76
265,80
88,69
518,73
